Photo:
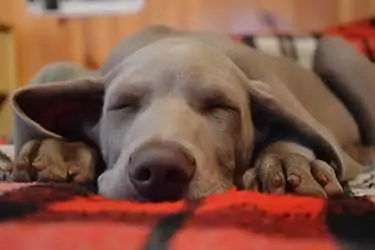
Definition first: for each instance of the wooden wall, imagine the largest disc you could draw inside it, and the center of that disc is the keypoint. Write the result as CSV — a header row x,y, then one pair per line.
x,y
40,40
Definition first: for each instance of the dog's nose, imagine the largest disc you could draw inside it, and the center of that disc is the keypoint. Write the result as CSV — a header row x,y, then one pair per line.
x,y
161,172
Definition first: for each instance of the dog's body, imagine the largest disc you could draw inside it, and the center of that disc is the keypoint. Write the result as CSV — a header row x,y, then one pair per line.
x,y
179,114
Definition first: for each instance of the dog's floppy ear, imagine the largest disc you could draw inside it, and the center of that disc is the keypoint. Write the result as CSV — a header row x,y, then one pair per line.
x,y
65,109
278,114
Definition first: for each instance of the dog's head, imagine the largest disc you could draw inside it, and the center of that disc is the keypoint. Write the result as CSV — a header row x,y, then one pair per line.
x,y
175,122
175,119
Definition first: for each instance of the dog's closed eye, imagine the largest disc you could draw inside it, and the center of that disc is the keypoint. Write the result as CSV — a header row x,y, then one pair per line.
x,y
214,100
211,106
130,103
129,99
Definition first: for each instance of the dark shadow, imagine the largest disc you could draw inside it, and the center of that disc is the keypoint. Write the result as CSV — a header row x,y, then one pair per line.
x,y
28,200
352,222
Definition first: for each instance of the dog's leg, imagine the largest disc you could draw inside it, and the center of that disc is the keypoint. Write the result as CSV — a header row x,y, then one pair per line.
x,y
350,75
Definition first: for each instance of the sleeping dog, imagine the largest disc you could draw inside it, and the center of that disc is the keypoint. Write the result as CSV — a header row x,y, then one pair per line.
x,y
175,114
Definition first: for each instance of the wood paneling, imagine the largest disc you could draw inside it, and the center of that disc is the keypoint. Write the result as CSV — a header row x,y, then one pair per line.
x,y
41,40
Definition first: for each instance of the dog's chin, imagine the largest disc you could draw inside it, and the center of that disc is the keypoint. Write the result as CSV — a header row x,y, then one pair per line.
x,y
201,186
113,194
204,193
193,194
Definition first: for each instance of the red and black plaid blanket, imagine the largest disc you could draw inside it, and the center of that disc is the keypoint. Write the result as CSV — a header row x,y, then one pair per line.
x,y
70,217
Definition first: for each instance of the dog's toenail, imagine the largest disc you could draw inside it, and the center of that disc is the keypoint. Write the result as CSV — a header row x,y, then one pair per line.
x,y
294,180
323,180
277,181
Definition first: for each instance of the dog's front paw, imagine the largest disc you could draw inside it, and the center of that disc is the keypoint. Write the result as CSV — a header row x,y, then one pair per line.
x,y
53,160
293,173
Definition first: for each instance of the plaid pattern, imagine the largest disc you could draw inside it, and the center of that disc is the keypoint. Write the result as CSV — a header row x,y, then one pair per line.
x,y
67,217
298,48
302,48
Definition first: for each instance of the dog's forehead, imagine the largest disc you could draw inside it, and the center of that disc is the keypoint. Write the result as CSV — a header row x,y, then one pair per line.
x,y
177,55
178,62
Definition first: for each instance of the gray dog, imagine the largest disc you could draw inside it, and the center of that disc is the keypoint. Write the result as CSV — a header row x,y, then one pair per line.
x,y
177,114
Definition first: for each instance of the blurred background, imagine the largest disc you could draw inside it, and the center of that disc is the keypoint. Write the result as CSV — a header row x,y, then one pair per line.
x,y
30,39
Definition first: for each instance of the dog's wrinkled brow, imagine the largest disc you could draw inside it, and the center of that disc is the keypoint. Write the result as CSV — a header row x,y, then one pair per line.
x,y
214,95
127,92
